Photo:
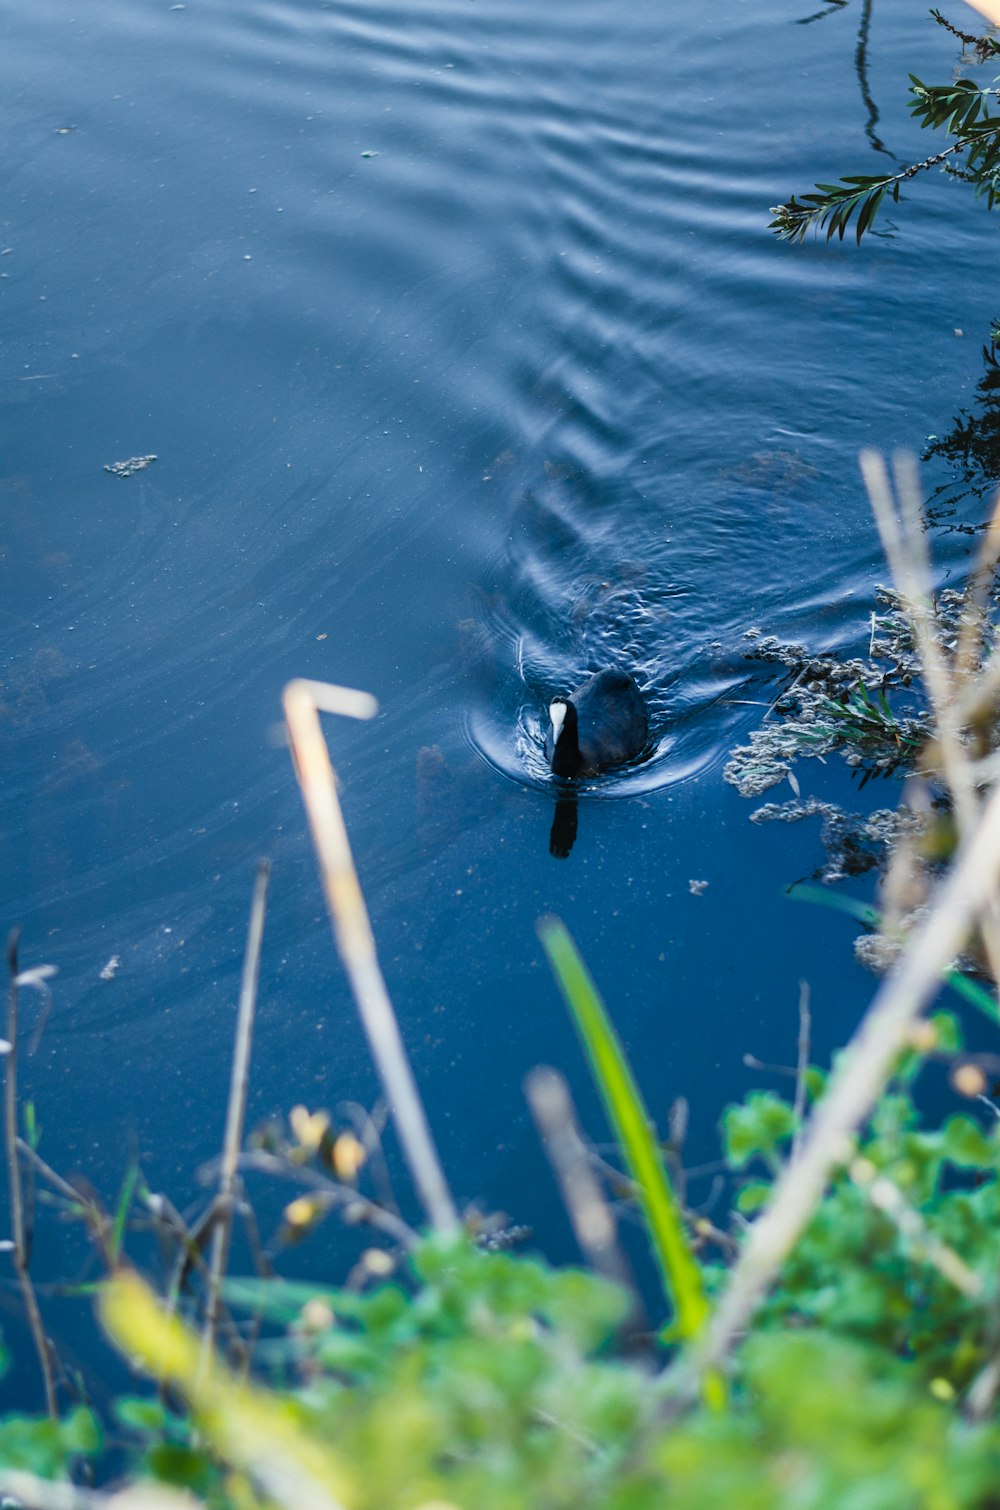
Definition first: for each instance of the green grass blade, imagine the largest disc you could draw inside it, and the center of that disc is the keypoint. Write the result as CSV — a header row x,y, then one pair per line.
x,y
682,1278
122,1211
864,912
963,985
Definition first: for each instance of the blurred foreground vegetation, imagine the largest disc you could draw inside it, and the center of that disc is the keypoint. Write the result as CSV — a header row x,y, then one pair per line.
x,y
477,1378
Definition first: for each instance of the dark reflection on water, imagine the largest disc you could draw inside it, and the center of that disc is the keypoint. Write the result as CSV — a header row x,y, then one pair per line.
x,y
565,825
470,367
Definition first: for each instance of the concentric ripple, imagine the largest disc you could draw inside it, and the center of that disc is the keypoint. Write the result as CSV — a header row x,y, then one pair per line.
x,y
583,583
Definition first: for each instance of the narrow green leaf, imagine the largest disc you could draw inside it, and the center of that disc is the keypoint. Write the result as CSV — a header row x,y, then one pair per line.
x,y
862,911
682,1278
122,1211
963,985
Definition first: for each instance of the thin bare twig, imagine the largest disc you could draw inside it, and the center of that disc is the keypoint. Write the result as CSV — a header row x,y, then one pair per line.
x,y
236,1112
368,1129
589,1212
677,1129
97,1220
333,1192
593,1223
303,701
191,1241
14,1182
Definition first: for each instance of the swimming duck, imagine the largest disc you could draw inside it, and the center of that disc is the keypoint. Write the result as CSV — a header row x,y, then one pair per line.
x,y
603,723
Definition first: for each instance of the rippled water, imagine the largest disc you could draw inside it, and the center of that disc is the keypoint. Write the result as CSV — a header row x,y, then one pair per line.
x,y
470,366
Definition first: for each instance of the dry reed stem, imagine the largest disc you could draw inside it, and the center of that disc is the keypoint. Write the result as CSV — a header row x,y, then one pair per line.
x,y
979,697
906,551
236,1110
97,1220
591,1218
856,1082
20,1254
303,701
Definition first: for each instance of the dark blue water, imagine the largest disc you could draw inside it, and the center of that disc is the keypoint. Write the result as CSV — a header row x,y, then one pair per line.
x,y
469,365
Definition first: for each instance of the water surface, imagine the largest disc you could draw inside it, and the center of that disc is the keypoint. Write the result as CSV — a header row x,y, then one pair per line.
x,y
469,365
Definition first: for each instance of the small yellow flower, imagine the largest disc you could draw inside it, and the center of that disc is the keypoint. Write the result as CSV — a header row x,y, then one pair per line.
x,y
348,1157
377,1262
309,1128
969,1080
316,1315
302,1213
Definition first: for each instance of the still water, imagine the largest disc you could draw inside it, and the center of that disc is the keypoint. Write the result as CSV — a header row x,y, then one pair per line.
x,y
469,365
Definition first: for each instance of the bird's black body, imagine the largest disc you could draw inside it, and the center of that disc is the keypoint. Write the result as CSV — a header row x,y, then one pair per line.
x,y
605,723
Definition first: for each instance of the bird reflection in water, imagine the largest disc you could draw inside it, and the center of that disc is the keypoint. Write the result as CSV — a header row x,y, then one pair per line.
x,y
562,836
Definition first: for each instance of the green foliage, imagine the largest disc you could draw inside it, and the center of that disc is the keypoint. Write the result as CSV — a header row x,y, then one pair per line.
x,y
858,1273
759,1128
833,206
488,1379
961,110
478,1381
482,1378
828,1424
48,1449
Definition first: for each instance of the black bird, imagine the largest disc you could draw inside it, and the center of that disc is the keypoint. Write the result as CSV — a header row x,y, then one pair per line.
x,y
601,724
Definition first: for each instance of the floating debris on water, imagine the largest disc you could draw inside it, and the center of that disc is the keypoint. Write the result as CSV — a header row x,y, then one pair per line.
x,y
130,467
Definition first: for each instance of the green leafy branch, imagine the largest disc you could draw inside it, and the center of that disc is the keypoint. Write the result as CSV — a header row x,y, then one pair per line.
x,y
960,109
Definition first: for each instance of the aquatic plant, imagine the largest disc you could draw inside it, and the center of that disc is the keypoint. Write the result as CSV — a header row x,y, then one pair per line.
x,y
870,709
960,109
833,705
